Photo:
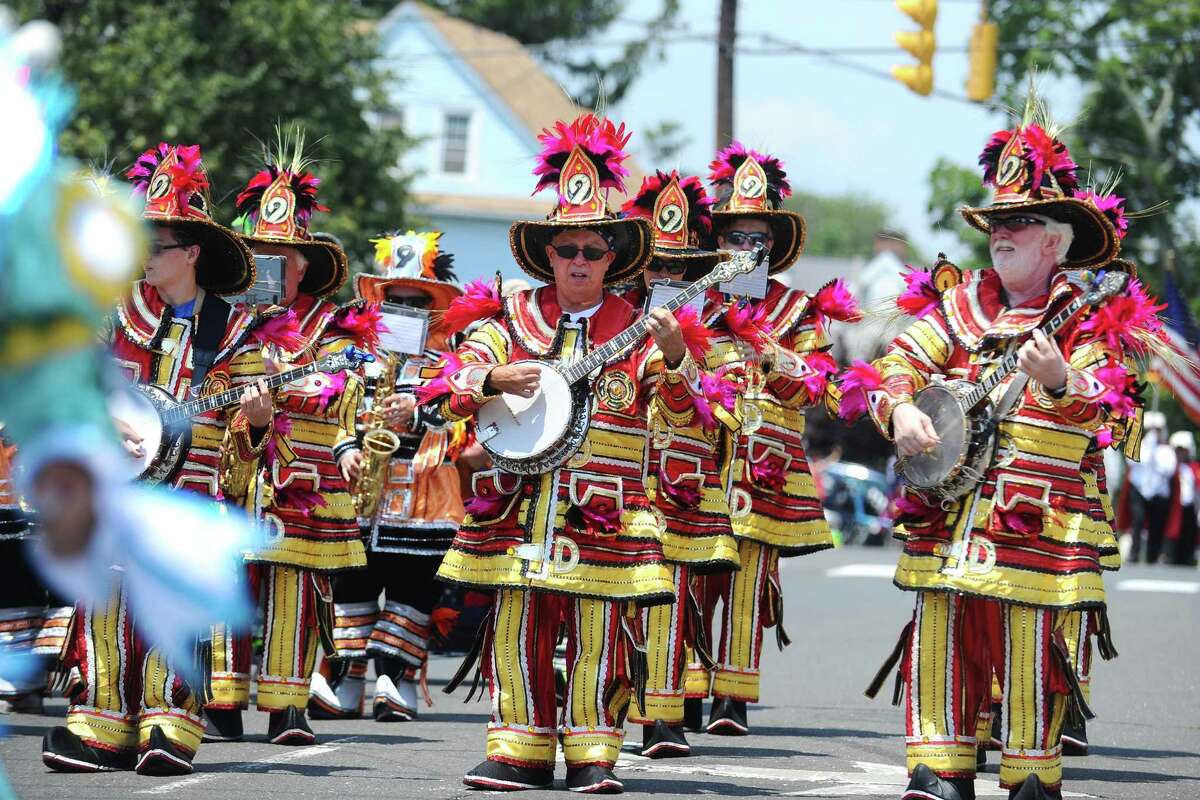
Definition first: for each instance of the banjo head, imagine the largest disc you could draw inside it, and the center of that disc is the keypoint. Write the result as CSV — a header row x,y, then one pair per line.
x,y
929,470
513,427
138,407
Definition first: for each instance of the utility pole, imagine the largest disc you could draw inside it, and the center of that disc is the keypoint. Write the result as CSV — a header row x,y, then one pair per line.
x,y
727,34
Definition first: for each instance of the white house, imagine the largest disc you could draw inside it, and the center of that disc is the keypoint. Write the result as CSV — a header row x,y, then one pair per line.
x,y
476,101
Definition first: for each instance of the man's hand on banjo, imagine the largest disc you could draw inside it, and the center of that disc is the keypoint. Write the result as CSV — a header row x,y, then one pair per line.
x,y
519,379
913,430
1042,360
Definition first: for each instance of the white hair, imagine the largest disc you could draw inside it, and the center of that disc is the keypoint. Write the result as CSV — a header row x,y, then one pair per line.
x,y
1066,235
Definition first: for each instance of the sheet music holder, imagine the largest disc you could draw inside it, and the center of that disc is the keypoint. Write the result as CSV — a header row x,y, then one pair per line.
x,y
753,284
267,289
662,291
407,329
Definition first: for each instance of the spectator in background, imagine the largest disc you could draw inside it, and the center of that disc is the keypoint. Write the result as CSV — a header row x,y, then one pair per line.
x,y
1181,523
1150,489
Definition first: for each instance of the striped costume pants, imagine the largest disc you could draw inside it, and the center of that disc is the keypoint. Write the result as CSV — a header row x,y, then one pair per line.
x,y
747,598
124,689
955,646
518,664
289,598
667,651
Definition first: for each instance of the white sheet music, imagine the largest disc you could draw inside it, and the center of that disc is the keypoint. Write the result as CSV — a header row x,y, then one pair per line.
x,y
663,291
753,284
407,329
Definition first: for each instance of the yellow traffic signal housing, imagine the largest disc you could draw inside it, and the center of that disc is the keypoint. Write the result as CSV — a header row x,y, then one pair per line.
x,y
921,44
981,69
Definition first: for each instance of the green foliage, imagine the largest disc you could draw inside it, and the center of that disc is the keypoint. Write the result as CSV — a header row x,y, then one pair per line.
x,y
840,225
1138,63
950,188
221,74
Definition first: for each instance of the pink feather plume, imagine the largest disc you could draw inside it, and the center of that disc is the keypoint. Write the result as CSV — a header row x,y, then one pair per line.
x,y
920,296
480,300
858,379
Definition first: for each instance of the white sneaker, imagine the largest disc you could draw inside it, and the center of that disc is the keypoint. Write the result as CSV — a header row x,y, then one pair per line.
x,y
395,701
344,702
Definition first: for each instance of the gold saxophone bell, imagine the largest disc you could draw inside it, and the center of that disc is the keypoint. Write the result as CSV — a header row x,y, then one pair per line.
x,y
378,445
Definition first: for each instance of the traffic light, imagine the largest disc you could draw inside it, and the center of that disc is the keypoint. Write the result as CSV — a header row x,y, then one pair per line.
x,y
922,43
981,69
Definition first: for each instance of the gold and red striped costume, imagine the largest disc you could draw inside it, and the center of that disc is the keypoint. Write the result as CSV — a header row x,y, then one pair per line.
x,y
774,505
305,499
1003,574
125,688
578,544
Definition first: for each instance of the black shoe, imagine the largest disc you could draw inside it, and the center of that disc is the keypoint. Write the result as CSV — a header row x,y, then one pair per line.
x,y
980,759
162,758
728,718
1032,789
63,751
926,785
496,776
997,742
593,779
1074,740
223,725
290,727
661,740
693,714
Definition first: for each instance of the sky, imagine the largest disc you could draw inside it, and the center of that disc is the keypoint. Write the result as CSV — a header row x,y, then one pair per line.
x,y
836,129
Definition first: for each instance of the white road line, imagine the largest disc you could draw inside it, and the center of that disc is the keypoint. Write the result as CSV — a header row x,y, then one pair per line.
x,y
862,571
251,766
866,783
1157,585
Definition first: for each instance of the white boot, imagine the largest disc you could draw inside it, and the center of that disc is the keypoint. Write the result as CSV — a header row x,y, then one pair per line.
x,y
395,701
344,701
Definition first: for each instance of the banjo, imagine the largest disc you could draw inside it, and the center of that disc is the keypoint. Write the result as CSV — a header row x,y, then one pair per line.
x,y
532,435
966,420
165,424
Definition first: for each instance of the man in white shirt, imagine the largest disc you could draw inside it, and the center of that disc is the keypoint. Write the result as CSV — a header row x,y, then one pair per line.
x,y
1150,489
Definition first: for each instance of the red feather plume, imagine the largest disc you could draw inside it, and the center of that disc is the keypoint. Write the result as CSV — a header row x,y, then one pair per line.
x,y
362,321
282,330
748,321
834,301
599,139
858,379
480,300
696,337
429,392
920,296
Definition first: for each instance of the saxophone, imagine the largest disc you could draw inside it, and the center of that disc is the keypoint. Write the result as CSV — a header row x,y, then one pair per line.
x,y
378,444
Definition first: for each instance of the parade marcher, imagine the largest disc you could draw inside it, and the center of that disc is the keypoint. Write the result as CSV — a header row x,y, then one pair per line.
x,y
1181,518
998,572
776,351
688,471
302,490
1149,490
415,493
577,543
173,331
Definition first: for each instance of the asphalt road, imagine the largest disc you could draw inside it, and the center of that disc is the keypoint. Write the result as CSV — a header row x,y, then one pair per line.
x,y
815,735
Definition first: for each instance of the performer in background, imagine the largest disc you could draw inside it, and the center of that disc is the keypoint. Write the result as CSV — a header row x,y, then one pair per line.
x,y
578,542
688,471
776,351
407,494
998,573
302,491
173,331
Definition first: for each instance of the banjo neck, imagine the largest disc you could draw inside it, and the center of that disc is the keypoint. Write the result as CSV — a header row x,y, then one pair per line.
x,y
231,397
1009,363
632,335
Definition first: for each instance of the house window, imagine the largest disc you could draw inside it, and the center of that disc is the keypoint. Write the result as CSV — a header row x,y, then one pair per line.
x,y
454,143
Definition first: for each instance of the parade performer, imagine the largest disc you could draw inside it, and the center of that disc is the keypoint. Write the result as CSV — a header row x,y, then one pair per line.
x,y
576,542
688,472
409,501
175,332
777,352
998,572
302,492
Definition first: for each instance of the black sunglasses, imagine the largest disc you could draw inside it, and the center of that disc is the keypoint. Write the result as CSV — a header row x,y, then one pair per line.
x,y
1015,224
568,252
157,249
669,267
738,238
415,301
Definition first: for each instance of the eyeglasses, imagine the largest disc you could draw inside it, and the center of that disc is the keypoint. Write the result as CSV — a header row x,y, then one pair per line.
x,y
1014,224
568,252
738,238
669,267
157,249
414,301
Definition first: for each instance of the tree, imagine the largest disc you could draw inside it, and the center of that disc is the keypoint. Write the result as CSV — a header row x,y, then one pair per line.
x,y
950,188
556,28
220,74
1138,62
839,225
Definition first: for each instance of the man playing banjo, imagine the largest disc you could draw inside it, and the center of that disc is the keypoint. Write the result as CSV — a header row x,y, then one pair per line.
x,y
577,542
173,331
999,569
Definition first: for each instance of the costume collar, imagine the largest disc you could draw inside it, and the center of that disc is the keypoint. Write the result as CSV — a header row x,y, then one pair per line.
x,y
533,317
141,313
975,310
